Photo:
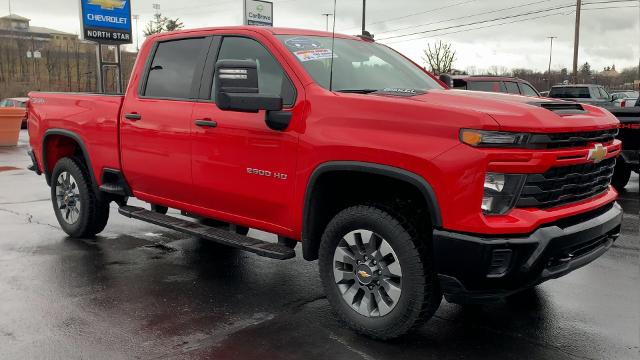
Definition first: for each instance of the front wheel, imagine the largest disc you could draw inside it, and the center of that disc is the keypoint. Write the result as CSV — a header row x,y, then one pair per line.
x,y
621,175
377,273
79,210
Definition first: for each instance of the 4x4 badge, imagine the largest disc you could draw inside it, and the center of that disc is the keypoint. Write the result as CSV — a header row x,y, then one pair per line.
x,y
597,154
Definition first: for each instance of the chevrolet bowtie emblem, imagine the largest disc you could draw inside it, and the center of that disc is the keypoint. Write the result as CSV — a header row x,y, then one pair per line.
x,y
108,4
363,274
597,154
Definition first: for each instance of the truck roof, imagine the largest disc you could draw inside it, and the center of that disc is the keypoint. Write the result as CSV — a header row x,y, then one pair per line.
x,y
261,29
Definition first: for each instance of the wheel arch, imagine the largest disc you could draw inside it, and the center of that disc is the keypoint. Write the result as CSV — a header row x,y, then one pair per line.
x,y
312,226
73,146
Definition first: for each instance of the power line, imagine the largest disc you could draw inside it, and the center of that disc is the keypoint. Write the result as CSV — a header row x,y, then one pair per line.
x,y
481,21
416,14
499,24
480,27
465,17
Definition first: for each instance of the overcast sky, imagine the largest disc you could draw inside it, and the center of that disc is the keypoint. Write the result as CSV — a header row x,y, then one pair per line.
x,y
608,36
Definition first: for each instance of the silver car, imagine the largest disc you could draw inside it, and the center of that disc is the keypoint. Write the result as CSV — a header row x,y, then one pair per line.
x,y
583,93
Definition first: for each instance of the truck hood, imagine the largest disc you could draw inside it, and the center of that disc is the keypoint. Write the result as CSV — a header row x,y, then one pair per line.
x,y
521,113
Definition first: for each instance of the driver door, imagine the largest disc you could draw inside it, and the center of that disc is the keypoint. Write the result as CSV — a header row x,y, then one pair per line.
x,y
243,171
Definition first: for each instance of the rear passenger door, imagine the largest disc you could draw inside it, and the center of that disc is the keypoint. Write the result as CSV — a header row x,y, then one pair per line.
x,y
155,131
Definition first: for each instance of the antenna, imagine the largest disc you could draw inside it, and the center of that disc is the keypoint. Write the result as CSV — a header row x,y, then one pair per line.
x,y
333,42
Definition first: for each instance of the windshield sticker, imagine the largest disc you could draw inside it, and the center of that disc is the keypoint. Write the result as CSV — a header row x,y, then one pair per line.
x,y
316,54
300,43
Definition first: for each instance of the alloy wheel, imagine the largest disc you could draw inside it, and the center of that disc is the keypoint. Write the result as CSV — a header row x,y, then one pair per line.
x,y
368,273
68,198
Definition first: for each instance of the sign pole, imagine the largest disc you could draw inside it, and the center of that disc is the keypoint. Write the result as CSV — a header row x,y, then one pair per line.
x,y
100,85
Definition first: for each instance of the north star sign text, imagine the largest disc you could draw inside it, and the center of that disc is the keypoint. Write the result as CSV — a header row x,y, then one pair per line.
x,y
110,19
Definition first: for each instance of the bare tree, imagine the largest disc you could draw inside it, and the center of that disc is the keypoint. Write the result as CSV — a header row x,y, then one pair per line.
x,y
439,58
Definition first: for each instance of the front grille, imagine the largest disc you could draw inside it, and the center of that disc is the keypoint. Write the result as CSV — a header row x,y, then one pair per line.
x,y
566,184
571,139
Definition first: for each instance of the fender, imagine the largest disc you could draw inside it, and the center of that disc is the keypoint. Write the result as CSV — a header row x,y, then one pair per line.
x,y
83,149
378,169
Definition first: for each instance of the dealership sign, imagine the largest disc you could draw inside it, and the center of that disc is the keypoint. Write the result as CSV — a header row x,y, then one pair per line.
x,y
258,13
106,21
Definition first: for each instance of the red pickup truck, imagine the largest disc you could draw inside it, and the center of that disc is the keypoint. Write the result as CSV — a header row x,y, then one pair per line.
x,y
403,189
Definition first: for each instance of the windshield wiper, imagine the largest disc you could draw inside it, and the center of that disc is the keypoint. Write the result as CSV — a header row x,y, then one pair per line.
x,y
358,91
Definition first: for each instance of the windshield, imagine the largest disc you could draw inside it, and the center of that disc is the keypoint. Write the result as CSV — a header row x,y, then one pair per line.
x,y
357,65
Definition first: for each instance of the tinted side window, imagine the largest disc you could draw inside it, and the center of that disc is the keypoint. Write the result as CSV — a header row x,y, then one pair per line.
x,y
512,88
570,92
271,78
491,86
527,90
174,66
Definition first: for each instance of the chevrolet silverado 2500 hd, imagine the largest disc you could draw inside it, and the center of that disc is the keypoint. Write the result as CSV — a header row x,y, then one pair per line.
x,y
404,190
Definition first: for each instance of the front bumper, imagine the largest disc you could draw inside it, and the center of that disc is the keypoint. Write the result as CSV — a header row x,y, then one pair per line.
x,y
478,269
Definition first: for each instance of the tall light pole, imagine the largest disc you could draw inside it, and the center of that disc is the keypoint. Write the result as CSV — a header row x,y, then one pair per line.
x,y
364,15
576,41
329,14
136,17
9,7
550,54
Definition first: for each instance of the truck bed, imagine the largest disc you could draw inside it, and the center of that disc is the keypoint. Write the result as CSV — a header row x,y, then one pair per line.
x,y
92,119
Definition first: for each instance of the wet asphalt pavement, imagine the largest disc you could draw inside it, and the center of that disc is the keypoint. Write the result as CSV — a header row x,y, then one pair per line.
x,y
140,291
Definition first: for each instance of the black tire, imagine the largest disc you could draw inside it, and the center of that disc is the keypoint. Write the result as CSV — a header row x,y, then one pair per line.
x,y
420,296
93,213
621,176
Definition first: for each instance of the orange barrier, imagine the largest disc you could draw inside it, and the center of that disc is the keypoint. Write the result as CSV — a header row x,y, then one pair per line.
x,y
10,121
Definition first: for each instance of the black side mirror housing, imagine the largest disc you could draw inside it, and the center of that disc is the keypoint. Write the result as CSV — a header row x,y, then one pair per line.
x,y
447,79
237,88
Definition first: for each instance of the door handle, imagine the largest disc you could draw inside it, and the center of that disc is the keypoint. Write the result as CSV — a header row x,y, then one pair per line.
x,y
134,117
206,123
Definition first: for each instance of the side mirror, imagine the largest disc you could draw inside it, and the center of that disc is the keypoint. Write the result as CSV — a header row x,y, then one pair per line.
x,y
237,88
447,79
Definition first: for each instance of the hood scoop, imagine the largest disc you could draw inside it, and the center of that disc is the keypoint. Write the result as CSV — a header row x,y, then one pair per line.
x,y
561,108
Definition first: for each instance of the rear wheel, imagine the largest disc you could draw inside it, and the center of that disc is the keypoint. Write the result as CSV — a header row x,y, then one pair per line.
x,y
377,273
79,210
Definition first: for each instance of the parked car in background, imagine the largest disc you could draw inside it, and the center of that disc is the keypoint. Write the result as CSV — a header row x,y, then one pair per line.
x,y
500,84
625,99
544,93
629,134
583,93
16,103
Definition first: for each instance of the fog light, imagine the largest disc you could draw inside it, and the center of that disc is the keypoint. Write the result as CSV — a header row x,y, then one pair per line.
x,y
500,192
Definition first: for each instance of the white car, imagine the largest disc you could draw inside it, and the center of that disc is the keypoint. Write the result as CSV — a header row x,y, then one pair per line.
x,y
625,98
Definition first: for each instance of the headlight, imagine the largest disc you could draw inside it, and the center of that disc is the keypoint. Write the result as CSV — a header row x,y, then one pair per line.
x,y
483,138
500,192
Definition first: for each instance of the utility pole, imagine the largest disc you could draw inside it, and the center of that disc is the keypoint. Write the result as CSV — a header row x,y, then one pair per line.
x,y
9,7
329,14
136,17
576,41
364,15
550,54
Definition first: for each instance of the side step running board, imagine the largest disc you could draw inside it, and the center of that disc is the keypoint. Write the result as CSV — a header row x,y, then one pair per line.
x,y
256,246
